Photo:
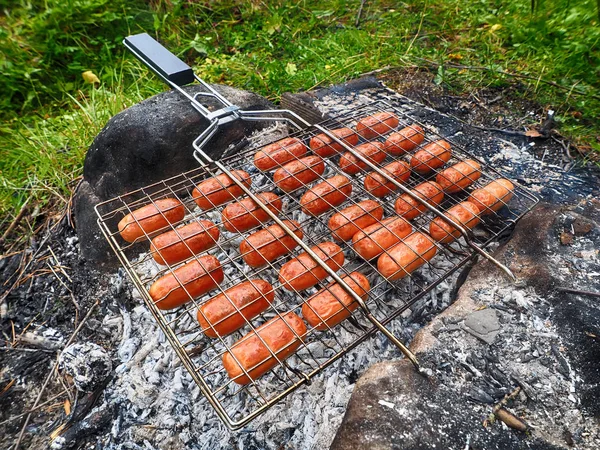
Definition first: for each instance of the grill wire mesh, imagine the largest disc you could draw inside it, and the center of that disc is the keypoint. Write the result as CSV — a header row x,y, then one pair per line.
x,y
238,404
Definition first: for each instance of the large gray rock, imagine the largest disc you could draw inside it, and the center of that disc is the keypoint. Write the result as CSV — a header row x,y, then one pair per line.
x,y
545,342
144,144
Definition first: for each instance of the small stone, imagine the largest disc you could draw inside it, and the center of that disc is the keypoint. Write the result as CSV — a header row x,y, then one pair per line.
x,y
581,227
566,238
483,324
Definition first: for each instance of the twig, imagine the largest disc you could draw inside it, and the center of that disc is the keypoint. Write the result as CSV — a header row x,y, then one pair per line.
x,y
73,299
359,13
16,221
51,373
500,130
578,292
501,404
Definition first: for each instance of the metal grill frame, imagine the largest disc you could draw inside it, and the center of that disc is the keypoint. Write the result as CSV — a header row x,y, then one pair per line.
x,y
369,317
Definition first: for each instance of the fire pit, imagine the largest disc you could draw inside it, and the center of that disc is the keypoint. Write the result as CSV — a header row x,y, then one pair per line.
x,y
168,378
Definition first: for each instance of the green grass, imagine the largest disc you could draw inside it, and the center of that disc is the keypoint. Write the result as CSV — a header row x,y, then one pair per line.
x,y
50,115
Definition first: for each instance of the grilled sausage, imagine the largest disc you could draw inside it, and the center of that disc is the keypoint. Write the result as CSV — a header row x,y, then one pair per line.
x,y
410,208
375,239
324,146
348,221
326,195
377,124
178,245
372,151
242,215
403,141
492,196
229,311
457,177
431,157
191,280
278,153
465,214
282,336
332,305
220,189
379,186
407,256
303,271
269,244
151,218
297,174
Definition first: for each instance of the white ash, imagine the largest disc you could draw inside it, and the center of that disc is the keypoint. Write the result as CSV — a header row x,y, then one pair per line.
x,y
87,364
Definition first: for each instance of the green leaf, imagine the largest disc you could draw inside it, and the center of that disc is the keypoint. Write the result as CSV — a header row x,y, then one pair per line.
x,y
291,69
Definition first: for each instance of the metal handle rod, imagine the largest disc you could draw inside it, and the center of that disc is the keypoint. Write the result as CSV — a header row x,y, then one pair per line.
x,y
432,208
318,260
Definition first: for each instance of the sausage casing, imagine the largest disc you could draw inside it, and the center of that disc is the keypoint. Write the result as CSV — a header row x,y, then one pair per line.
x,y
377,124
410,208
379,186
492,196
191,280
464,213
371,151
297,174
220,189
269,244
278,153
246,214
332,305
325,147
151,218
326,195
229,311
282,336
178,245
405,140
303,271
375,239
348,221
459,176
433,156
405,257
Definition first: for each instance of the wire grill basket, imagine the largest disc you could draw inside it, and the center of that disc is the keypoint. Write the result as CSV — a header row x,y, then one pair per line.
x,y
235,403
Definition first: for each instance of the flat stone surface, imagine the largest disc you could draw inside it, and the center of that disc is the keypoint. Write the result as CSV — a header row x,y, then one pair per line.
x,y
483,324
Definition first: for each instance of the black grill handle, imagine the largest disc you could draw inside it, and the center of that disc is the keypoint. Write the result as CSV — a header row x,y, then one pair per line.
x,y
159,59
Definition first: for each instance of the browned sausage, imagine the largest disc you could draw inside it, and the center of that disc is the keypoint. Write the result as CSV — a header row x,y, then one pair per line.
x,y
189,281
250,358
459,176
269,244
431,157
245,214
151,218
379,186
410,208
229,311
303,271
404,141
377,124
465,214
332,305
297,174
324,146
492,196
348,221
278,153
372,151
326,195
220,189
407,256
178,245
375,239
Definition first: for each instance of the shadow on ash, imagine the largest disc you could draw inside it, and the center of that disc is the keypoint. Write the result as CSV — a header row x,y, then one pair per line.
x,y
507,364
